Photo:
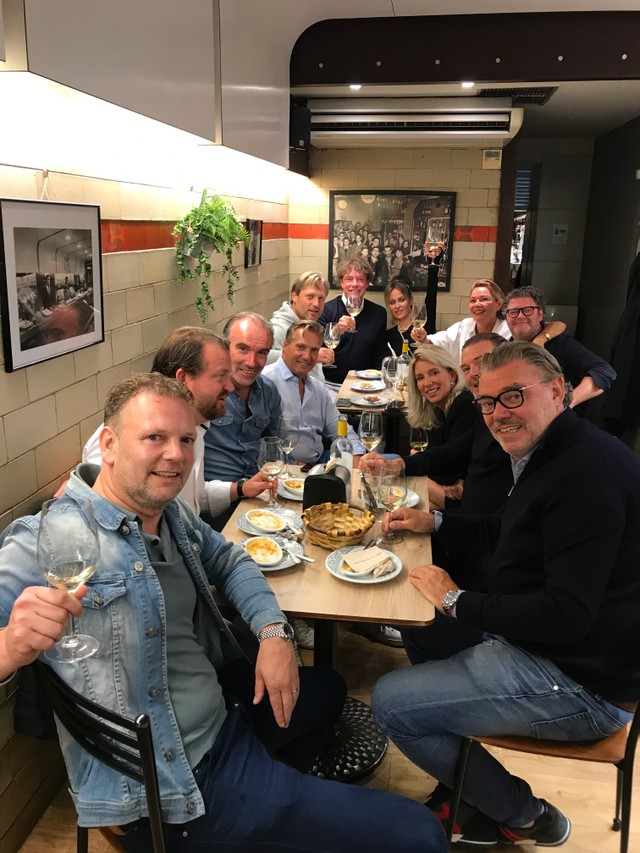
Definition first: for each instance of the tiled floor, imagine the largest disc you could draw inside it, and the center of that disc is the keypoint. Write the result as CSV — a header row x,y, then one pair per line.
x,y
585,792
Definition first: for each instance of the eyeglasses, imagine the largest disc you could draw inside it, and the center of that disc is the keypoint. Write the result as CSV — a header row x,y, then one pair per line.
x,y
527,311
512,398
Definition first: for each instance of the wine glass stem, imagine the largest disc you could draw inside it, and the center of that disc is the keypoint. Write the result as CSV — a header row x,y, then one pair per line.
x,y
71,637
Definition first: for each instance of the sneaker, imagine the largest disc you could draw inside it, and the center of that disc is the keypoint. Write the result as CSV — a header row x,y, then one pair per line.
x,y
470,826
304,633
551,829
385,634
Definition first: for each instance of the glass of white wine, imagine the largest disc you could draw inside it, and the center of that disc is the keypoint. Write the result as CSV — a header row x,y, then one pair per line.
x,y
392,493
419,316
391,373
370,430
354,307
271,461
67,551
418,438
332,334
288,433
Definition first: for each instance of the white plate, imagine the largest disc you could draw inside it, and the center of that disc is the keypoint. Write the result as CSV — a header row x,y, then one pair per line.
x,y
271,543
368,374
286,492
368,386
334,560
287,560
292,518
412,499
366,404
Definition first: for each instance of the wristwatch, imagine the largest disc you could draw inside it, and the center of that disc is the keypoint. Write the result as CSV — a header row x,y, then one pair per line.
x,y
449,600
240,486
282,629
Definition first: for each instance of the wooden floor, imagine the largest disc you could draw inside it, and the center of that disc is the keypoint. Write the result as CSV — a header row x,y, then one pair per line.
x,y
584,792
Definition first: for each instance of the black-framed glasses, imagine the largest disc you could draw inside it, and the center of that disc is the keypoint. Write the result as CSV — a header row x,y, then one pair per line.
x,y
527,311
512,398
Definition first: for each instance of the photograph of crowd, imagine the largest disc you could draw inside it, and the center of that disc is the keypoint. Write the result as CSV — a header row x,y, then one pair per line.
x,y
51,304
394,232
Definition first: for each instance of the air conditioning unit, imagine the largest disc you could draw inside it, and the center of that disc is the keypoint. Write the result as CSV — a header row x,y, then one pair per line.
x,y
413,122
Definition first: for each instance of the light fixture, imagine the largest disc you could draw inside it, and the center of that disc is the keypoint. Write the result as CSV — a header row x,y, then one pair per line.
x,y
467,84
355,86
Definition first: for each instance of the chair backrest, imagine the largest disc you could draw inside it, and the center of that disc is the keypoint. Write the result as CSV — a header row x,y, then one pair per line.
x,y
123,744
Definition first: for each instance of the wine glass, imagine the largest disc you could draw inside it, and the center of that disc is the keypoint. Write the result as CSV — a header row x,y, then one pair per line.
x,y
332,334
370,430
391,374
419,316
418,438
271,461
288,433
392,493
67,550
354,307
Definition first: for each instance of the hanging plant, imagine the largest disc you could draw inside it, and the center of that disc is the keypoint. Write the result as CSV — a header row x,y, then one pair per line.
x,y
212,226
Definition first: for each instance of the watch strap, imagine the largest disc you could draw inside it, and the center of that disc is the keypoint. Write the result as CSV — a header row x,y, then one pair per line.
x,y
282,629
240,487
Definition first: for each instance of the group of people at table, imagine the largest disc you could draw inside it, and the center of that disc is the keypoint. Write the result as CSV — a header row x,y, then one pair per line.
x,y
536,543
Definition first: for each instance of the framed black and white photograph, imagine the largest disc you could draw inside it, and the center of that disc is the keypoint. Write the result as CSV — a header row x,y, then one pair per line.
x,y
253,252
50,280
402,233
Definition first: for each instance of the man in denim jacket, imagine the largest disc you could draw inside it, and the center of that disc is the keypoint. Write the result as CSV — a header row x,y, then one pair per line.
x,y
164,650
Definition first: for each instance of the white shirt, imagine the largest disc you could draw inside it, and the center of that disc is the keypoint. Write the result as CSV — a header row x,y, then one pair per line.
x,y
453,338
213,497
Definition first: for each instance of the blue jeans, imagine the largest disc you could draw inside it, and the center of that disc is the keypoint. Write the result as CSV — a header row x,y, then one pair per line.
x,y
488,688
257,804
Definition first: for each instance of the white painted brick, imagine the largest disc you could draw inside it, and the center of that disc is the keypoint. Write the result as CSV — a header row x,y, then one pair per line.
x,y
468,251
466,158
124,270
50,376
17,481
432,158
3,445
157,265
154,331
76,403
140,303
106,194
29,426
58,456
483,216
13,391
485,178
375,179
412,179
106,380
337,179
115,310
126,343
91,360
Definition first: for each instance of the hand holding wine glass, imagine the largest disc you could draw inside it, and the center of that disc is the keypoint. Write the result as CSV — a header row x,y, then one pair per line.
x,y
392,493
332,333
355,303
419,316
67,551
271,461
288,433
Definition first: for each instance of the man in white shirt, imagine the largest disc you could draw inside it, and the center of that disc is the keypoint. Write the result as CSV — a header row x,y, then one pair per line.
x,y
199,359
303,397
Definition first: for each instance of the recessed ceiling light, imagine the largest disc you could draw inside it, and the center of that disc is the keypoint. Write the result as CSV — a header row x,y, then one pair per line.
x,y
355,86
467,84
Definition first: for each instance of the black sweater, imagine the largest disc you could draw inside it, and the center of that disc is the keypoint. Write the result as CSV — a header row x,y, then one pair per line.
x,y
362,350
564,579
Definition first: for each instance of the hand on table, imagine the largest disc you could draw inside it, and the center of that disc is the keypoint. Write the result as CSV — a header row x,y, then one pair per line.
x,y
38,620
431,582
277,674
414,520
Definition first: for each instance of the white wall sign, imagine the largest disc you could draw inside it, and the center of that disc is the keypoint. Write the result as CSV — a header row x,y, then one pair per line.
x,y
559,233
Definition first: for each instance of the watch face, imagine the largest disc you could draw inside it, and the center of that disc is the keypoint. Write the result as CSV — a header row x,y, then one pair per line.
x,y
288,631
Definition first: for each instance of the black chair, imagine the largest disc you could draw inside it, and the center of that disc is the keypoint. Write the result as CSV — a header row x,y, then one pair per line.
x,y
123,744
618,749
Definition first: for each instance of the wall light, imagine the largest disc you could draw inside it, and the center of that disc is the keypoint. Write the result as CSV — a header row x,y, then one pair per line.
x,y
355,86
467,84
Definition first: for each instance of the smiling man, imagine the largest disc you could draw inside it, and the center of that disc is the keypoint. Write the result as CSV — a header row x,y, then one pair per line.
x,y
550,650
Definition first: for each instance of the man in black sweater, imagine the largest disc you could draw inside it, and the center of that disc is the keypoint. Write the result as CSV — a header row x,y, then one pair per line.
x,y
363,339
551,650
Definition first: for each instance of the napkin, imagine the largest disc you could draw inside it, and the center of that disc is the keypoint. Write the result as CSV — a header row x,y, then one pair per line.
x,y
369,560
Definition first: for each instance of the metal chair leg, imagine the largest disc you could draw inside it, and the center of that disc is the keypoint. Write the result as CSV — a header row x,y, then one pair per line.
x,y
616,819
83,839
458,779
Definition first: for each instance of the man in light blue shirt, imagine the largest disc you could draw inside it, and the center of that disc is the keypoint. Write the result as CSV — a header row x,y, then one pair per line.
x,y
303,397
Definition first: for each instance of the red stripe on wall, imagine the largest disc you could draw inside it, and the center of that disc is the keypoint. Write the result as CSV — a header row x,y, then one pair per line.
x,y
275,231
300,231
475,233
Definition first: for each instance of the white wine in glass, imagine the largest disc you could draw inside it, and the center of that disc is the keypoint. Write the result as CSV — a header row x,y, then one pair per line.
x,y
420,317
288,433
370,430
392,493
67,551
418,438
332,334
271,461
354,307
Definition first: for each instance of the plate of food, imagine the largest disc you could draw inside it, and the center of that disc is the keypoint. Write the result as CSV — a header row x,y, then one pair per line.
x,y
368,374
375,565
291,488
369,401
267,548
368,386
251,523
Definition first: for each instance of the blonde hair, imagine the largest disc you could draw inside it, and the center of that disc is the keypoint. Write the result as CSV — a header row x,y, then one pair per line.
x,y
494,289
420,412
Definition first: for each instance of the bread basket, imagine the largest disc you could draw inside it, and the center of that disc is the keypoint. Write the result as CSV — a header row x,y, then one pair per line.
x,y
335,525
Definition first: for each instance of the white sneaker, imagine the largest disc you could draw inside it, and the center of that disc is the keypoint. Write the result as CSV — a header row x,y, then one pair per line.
x,y
385,634
304,632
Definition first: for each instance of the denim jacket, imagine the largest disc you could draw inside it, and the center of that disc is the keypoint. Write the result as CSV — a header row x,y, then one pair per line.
x,y
124,610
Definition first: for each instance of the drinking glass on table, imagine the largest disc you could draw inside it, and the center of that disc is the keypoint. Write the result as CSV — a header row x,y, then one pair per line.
x,y
370,430
392,493
67,551
354,307
391,374
419,316
288,433
418,438
271,461
332,334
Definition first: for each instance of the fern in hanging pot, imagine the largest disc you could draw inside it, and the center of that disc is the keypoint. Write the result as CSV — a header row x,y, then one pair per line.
x,y
212,226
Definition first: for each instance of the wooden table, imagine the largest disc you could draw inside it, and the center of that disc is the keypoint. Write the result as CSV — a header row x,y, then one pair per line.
x,y
396,427
310,591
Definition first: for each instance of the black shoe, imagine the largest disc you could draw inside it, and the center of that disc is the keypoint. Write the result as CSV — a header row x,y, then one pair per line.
x,y
470,826
551,829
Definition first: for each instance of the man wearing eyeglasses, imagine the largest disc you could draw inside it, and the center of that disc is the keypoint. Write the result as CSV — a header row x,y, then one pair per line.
x,y
589,374
550,650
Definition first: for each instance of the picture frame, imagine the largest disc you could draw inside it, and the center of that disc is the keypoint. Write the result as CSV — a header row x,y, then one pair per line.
x,y
50,280
402,220
253,251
